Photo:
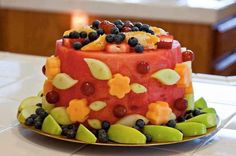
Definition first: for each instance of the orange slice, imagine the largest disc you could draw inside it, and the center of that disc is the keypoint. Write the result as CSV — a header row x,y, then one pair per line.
x,y
158,31
98,44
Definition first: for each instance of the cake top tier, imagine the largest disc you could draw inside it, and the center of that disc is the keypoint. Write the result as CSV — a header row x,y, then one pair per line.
x,y
117,37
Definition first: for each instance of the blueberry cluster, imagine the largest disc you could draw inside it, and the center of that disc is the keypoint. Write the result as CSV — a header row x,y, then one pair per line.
x,y
139,125
36,119
69,130
102,133
189,114
133,42
115,38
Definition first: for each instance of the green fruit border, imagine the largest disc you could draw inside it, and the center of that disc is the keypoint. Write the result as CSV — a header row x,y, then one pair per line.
x,y
185,139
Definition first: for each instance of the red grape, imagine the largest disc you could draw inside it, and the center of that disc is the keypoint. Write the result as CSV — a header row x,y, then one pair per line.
x,y
44,69
87,88
143,67
181,104
187,55
119,111
52,97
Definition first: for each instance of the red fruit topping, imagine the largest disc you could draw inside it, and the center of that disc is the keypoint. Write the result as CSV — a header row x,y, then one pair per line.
x,y
128,24
187,55
165,42
143,67
87,88
118,48
181,104
44,69
106,26
119,111
52,97
126,29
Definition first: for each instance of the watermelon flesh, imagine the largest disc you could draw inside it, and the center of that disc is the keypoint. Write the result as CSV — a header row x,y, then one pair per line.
x,y
73,64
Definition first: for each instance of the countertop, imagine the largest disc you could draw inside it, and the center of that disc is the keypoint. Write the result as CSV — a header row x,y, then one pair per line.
x,y
194,11
20,76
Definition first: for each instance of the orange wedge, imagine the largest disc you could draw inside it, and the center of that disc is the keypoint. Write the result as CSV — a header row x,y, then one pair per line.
x,y
98,44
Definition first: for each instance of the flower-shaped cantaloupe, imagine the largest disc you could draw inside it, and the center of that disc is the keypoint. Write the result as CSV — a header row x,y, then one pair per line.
x,y
52,65
159,112
185,74
78,110
119,85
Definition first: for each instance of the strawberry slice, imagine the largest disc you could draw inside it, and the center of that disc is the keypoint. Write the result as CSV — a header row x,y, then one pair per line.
x,y
165,42
106,26
118,48
68,42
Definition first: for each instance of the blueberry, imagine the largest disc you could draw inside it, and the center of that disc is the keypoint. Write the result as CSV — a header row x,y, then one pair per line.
x,y
139,48
73,127
180,119
77,45
138,24
85,42
133,41
100,31
38,119
105,125
145,27
137,127
151,32
114,30
38,124
64,130
70,134
148,138
135,29
119,27
38,111
29,121
102,136
33,116
118,22
188,116
110,38
118,38
39,104
196,112
93,36
96,23
83,34
171,123
140,123
74,34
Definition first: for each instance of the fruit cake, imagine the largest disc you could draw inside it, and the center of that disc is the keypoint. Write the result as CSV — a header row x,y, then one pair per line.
x,y
125,82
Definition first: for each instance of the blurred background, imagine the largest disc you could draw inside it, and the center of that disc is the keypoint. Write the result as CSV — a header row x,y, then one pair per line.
x,y
207,27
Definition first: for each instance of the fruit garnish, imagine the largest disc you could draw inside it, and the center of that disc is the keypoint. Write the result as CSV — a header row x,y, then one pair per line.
x,y
184,73
78,110
138,88
124,134
63,81
97,45
61,116
95,123
106,125
146,39
119,85
87,88
102,136
50,126
77,45
190,99
191,128
119,111
163,133
181,104
126,29
98,69
106,26
208,119
166,76
139,48
29,102
118,48
97,105
187,55
165,42
143,67
130,120
171,123
83,134
158,113
52,67
52,97
80,29
200,103
96,24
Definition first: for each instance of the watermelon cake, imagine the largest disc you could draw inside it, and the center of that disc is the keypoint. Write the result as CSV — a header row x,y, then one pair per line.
x,y
121,81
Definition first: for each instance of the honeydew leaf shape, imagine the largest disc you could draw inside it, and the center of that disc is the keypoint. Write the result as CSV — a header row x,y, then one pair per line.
x,y
166,76
138,88
63,81
98,69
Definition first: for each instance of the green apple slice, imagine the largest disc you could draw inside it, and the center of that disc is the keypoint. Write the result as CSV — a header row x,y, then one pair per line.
x,y
138,88
163,133
131,119
208,119
209,110
47,106
166,76
83,134
29,101
26,112
50,126
190,99
97,105
191,128
98,69
95,123
63,81
200,103
124,134
60,115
